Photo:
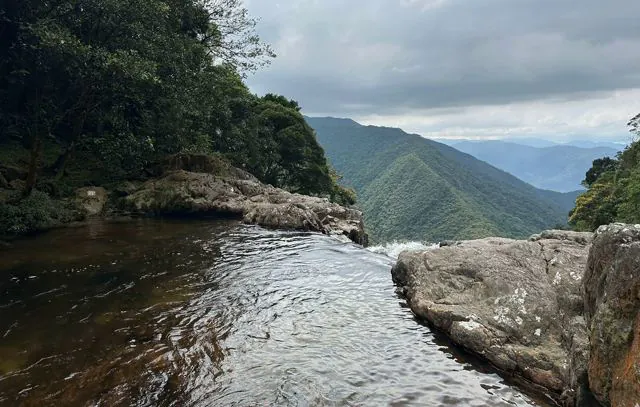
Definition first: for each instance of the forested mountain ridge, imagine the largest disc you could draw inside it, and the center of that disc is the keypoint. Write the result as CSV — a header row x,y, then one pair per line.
x,y
412,188
558,168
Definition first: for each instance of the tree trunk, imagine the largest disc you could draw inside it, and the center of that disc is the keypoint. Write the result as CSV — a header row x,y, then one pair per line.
x,y
34,160
60,166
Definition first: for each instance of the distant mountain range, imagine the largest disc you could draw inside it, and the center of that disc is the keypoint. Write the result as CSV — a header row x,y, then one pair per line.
x,y
541,142
559,167
411,188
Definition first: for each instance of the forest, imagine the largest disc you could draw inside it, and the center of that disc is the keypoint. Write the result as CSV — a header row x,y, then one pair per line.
x,y
93,91
613,189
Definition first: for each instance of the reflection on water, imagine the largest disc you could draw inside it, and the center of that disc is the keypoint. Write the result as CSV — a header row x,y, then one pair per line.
x,y
185,313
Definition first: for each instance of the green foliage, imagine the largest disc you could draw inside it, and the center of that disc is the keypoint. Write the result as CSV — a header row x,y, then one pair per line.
x,y
614,189
36,212
417,189
599,167
118,84
339,193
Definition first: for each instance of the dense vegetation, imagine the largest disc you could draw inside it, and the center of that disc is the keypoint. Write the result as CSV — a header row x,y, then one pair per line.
x,y
557,168
418,189
92,91
613,189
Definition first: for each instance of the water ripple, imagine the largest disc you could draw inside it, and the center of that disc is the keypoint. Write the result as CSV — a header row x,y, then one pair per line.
x,y
200,314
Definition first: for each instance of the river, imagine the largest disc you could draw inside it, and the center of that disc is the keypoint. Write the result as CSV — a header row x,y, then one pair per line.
x,y
215,313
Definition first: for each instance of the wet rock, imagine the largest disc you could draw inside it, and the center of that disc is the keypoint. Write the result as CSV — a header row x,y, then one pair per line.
x,y
91,200
612,305
198,193
515,303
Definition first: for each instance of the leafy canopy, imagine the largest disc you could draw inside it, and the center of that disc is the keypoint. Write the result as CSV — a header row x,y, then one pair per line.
x,y
107,86
613,193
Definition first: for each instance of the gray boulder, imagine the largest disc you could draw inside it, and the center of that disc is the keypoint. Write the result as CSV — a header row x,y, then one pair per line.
x,y
90,201
515,303
612,308
235,193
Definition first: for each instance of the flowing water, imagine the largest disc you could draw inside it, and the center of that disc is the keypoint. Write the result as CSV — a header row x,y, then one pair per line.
x,y
214,313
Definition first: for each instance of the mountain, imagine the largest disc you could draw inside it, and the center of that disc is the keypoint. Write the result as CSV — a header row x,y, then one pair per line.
x,y
560,168
541,142
527,141
595,143
412,188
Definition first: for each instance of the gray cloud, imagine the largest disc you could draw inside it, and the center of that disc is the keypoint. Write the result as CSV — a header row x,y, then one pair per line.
x,y
363,57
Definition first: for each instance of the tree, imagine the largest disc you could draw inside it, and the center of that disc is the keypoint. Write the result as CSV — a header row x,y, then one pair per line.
x,y
234,39
599,167
121,80
112,85
613,189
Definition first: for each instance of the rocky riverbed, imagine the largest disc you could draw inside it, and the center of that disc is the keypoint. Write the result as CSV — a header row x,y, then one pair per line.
x,y
561,310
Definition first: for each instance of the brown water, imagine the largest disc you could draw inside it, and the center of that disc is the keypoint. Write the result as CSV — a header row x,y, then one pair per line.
x,y
213,313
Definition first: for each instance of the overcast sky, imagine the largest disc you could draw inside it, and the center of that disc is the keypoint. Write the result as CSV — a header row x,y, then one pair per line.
x,y
458,68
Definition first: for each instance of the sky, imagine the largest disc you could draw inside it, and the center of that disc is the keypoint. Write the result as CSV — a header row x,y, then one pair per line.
x,y
556,69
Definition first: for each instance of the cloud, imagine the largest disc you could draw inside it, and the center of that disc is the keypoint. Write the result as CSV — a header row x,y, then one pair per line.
x,y
562,119
386,58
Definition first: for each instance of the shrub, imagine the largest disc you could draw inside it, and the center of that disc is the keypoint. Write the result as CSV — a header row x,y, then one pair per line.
x,y
34,213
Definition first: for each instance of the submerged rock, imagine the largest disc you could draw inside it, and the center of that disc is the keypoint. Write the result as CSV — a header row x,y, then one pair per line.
x,y
516,303
236,193
612,305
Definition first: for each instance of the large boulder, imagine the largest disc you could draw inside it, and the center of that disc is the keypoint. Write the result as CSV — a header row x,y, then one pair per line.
x,y
193,193
612,308
91,200
515,303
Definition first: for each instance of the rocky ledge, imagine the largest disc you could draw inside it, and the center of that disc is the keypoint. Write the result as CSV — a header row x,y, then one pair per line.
x,y
538,309
202,185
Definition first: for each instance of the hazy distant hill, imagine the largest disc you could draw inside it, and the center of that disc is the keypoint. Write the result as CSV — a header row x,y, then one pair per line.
x,y
558,168
417,189
541,142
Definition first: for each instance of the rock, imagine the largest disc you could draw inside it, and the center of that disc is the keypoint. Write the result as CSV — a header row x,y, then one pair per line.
x,y
125,188
11,173
4,184
580,237
286,216
612,308
515,303
91,200
17,184
189,193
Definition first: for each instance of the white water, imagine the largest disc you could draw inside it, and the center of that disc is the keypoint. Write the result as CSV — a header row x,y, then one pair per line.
x,y
394,248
